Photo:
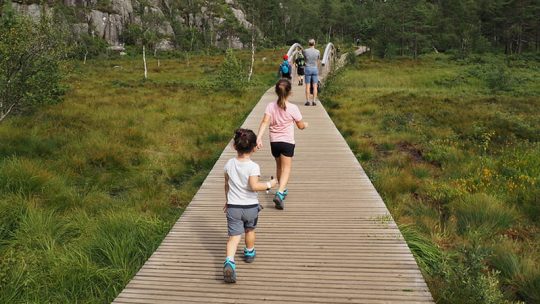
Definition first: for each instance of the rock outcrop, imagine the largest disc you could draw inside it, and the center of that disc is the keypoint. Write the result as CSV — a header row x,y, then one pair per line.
x,y
109,19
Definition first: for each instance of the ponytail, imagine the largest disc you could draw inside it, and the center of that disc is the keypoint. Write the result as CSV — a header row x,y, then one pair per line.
x,y
283,90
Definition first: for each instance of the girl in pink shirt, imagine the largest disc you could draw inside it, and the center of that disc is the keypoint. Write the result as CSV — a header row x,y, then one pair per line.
x,y
281,116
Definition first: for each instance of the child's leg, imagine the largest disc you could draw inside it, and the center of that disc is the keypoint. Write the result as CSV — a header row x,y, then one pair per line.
x,y
232,245
250,238
285,165
278,169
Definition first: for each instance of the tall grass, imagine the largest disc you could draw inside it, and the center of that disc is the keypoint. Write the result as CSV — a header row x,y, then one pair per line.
x,y
484,214
89,187
453,148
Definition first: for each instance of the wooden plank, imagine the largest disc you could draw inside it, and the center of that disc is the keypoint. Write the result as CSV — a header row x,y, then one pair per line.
x,y
334,243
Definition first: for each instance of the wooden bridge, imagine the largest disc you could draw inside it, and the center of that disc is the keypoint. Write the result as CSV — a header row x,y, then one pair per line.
x,y
335,242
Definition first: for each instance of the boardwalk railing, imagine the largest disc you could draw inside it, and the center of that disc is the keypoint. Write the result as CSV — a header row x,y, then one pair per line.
x,y
327,61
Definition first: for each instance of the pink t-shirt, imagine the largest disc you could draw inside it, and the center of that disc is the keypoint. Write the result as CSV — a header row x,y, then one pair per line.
x,y
282,122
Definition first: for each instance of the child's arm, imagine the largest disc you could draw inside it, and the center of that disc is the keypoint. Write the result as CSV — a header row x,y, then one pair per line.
x,y
257,185
301,124
226,191
262,128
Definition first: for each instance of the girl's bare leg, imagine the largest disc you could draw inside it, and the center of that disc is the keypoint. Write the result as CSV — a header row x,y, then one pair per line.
x,y
278,169
286,165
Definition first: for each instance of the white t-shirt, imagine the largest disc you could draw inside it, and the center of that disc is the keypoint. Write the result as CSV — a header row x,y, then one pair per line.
x,y
239,191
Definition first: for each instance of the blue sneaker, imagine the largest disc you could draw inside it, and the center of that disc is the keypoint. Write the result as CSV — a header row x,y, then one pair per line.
x,y
229,271
249,256
286,192
279,199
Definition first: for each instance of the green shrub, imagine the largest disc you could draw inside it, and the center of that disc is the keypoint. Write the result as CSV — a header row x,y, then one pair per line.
x,y
43,230
530,290
13,209
520,274
123,239
352,59
30,55
467,280
231,75
29,179
499,78
506,262
428,255
482,213
392,181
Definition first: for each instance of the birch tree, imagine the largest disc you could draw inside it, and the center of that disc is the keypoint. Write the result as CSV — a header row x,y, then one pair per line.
x,y
30,55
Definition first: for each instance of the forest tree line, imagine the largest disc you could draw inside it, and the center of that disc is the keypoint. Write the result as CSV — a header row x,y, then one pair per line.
x,y
403,27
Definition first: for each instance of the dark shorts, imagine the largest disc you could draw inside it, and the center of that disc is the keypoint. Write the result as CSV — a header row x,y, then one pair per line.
x,y
282,148
301,71
241,218
286,75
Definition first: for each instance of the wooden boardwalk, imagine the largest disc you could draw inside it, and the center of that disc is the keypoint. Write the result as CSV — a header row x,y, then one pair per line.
x,y
335,242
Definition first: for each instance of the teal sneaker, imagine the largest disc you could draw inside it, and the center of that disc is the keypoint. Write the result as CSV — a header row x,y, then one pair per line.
x,y
229,271
249,256
279,200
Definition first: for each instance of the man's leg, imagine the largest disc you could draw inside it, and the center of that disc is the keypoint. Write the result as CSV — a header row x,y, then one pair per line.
x,y
315,91
307,79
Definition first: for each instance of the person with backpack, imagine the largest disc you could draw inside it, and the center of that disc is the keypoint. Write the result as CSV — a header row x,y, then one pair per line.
x,y
300,63
285,68
313,57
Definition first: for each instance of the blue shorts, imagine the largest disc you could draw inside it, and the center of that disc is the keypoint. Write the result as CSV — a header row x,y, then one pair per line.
x,y
312,74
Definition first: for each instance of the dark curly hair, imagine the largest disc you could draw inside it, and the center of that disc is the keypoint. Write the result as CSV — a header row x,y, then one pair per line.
x,y
244,140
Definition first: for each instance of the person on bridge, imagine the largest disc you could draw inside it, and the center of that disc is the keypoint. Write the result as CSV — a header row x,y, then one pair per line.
x,y
281,117
285,68
241,202
313,57
300,63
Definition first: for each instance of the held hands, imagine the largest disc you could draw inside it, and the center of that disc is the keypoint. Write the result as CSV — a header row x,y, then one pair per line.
x,y
273,182
259,143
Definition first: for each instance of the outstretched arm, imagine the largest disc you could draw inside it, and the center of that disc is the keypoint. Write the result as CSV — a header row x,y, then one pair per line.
x,y
301,124
257,185
262,128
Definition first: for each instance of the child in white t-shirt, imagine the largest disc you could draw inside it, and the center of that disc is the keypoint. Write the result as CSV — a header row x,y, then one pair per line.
x,y
242,205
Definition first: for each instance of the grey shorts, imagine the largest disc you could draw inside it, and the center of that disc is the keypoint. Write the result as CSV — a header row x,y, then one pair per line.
x,y
241,218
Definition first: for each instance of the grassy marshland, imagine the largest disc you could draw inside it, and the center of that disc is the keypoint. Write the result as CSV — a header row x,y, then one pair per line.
x,y
454,149
89,187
